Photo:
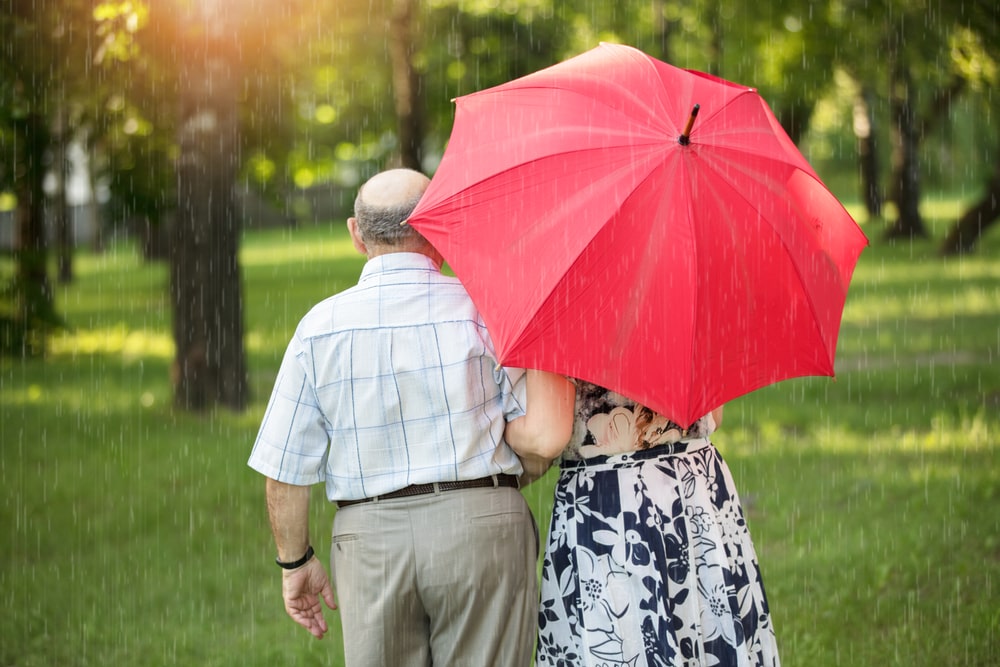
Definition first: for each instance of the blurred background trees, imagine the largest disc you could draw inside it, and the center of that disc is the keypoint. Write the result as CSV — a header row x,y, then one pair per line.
x,y
183,123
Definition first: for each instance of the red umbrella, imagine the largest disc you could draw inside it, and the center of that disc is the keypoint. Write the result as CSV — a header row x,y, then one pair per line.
x,y
607,234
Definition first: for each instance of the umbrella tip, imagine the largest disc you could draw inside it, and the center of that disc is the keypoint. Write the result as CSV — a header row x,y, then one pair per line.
x,y
685,137
404,222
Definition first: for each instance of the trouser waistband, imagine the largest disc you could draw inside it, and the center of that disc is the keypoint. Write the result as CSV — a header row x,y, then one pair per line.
x,y
494,481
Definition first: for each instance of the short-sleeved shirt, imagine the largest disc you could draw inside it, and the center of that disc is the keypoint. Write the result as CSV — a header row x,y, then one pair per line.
x,y
390,383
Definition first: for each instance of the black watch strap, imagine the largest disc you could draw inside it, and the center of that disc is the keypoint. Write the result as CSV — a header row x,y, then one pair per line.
x,y
298,563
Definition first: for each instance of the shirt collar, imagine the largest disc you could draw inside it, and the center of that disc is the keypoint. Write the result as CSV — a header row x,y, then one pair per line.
x,y
396,261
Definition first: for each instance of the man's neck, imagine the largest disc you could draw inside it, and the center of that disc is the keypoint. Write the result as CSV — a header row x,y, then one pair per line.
x,y
379,250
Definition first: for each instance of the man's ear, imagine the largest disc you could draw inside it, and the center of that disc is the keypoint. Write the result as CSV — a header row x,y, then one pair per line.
x,y
359,244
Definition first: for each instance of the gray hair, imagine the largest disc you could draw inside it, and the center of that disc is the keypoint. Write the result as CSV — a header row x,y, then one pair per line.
x,y
381,224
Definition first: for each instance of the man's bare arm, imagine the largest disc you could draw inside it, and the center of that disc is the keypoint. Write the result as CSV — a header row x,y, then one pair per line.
x,y
288,509
302,587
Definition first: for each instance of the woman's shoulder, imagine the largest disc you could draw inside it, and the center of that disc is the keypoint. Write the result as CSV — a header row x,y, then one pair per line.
x,y
595,397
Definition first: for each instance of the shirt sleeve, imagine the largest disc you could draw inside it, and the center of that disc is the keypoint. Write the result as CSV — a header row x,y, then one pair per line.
x,y
292,443
513,385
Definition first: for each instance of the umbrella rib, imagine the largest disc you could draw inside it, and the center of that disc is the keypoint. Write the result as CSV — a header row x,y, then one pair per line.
x,y
458,194
796,169
705,120
694,301
798,271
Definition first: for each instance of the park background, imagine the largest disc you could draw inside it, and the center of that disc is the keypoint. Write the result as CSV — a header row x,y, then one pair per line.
x,y
173,185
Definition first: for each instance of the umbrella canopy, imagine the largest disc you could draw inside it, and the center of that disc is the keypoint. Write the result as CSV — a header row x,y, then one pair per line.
x,y
604,236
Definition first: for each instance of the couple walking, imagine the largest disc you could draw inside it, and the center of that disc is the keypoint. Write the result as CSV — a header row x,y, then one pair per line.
x,y
389,393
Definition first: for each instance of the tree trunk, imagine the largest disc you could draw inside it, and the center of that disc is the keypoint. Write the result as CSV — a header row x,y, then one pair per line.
x,y
406,85
906,165
155,235
205,282
970,227
661,30
868,165
61,220
34,309
93,207
713,18
795,119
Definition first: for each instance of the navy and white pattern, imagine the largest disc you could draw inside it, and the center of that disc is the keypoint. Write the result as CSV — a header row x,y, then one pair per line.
x,y
649,560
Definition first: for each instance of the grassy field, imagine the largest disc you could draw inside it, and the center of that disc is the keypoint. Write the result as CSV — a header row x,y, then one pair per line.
x,y
136,535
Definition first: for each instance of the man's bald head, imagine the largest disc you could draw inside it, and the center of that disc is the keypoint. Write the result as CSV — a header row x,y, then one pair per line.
x,y
384,202
394,186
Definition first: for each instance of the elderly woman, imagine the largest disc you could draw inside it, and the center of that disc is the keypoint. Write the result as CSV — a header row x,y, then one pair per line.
x,y
649,560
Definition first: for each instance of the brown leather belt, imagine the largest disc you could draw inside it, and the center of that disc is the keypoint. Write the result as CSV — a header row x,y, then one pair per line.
x,y
437,487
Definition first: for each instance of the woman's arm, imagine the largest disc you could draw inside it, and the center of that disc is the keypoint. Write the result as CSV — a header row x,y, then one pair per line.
x,y
717,416
547,424
534,468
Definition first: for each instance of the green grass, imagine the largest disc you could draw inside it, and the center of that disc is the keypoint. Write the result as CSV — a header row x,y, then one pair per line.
x,y
136,535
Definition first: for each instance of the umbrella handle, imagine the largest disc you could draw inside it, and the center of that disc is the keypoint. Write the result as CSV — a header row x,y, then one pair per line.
x,y
685,138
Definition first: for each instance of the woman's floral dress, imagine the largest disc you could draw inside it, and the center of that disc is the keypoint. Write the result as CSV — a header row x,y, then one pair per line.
x,y
649,560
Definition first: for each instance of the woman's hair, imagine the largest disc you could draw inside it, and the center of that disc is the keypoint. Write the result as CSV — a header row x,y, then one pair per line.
x,y
643,418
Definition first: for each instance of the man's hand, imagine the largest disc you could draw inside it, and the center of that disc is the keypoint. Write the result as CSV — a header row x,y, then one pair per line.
x,y
302,589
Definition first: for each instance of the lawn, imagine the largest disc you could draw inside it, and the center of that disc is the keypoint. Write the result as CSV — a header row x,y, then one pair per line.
x,y
136,535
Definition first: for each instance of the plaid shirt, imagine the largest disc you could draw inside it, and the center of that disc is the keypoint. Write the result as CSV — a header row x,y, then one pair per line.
x,y
387,384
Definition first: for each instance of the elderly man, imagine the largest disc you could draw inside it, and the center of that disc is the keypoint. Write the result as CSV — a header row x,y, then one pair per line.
x,y
389,393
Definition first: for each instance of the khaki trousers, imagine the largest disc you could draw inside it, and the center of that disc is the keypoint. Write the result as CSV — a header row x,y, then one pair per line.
x,y
446,579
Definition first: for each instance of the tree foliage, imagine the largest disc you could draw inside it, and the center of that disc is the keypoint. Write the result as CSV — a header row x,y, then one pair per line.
x,y
326,93
42,75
